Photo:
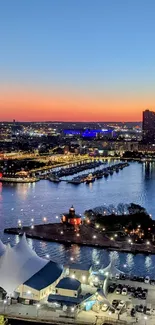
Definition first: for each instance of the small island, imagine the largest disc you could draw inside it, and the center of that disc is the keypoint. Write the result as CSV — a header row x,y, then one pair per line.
x,y
127,228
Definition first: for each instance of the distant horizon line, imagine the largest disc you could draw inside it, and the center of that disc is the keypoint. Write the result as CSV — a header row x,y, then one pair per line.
x,y
50,121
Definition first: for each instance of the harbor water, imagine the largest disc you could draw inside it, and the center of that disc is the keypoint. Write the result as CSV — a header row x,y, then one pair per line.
x,y
32,203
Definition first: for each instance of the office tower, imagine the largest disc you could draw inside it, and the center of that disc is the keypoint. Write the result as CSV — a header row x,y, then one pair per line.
x,y
148,127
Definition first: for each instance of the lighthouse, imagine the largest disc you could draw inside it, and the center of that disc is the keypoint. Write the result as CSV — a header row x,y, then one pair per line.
x,y
71,218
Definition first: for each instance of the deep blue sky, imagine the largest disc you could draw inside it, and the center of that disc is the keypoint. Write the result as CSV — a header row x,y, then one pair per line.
x,y
105,46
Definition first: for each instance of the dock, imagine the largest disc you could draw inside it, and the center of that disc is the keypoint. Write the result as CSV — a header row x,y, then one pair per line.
x,y
86,235
87,177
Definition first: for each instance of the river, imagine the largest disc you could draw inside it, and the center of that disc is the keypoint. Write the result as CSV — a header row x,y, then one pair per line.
x,y
135,183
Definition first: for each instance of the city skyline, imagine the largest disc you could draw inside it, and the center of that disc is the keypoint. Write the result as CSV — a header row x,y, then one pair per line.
x,y
76,61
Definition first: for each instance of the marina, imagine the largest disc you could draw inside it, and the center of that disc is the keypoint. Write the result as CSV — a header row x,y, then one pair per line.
x,y
87,177
36,202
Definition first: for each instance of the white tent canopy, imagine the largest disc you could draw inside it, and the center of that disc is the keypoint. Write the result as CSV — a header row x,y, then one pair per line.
x,y
111,270
2,248
18,264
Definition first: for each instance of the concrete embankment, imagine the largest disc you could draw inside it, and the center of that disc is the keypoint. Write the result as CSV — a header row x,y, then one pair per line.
x,y
86,235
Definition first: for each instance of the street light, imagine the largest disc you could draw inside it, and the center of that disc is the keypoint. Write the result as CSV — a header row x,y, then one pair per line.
x,y
37,309
4,304
145,318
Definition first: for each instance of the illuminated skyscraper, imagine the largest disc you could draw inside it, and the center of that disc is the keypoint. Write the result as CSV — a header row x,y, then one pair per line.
x,y
149,127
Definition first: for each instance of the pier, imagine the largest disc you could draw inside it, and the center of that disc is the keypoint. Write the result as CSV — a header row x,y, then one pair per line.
x,y
85,235
86,177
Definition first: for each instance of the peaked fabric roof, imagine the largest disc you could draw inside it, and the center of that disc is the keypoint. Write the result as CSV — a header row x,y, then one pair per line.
x,y
111,269
2,248
18,264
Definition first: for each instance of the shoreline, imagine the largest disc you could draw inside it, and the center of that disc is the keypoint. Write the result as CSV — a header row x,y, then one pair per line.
x,y
18,180
57,232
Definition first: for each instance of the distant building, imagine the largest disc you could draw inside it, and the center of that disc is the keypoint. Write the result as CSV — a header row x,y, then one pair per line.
x,y
148,127
71,218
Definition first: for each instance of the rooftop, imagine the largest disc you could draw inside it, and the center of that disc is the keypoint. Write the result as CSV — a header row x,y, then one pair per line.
x,y
69,301
82,267
46,276
68,283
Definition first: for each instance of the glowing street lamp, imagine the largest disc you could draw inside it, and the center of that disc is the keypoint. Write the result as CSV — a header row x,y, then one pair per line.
x,y
4,304
37,309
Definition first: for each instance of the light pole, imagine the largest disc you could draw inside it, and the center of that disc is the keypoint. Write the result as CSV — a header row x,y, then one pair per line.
x,y
4,304
37,309
145,317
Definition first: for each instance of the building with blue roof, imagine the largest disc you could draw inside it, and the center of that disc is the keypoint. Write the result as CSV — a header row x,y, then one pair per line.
x,y
42,283
68,301
68,287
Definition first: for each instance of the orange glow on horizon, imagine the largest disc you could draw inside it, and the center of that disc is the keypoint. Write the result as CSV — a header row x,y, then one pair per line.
x,y
25,105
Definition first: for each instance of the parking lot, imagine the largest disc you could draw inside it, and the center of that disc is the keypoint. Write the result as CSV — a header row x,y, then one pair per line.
x,y
132,299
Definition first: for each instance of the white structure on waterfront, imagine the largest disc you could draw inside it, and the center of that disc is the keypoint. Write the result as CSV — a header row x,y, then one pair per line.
x,y
20,264
111,270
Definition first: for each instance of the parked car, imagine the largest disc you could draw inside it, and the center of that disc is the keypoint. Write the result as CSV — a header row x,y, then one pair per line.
x,y
139,289
140,308
117,276
153,311
132,289
120,286
124,291
134,278
111,289
120,306
147,279
123,276
143,295
152,282
148,309
118,291
111,310
136,294
115,303
133,312
104,307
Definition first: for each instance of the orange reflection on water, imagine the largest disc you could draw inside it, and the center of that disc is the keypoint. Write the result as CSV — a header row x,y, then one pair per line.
x,y
22,190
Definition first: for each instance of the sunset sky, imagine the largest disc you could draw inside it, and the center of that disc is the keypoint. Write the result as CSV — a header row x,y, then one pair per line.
x,y
77,60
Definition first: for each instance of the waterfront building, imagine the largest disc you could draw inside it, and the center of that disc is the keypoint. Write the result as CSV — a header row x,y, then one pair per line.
x,y
68,287
30,278
68,295
148,127
71,218
24,274
81,272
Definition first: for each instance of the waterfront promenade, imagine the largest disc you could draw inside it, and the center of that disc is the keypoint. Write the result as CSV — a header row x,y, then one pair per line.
x,y
45,315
